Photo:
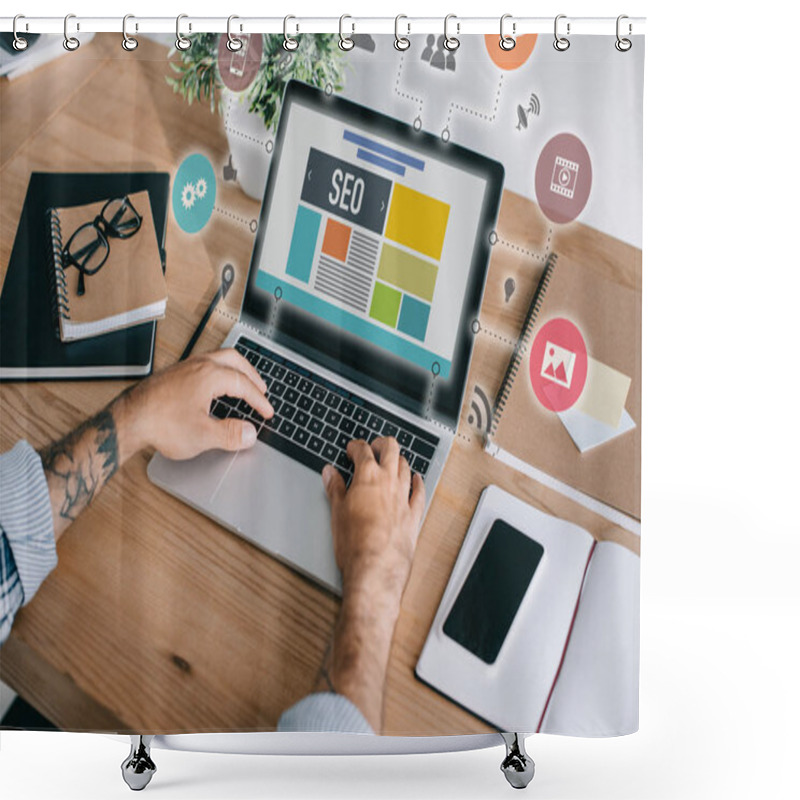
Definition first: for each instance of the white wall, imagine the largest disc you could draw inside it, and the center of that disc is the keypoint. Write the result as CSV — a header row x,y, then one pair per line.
x,y
589,90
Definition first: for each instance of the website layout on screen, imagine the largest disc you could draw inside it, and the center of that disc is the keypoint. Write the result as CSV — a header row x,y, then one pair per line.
x,y
371,237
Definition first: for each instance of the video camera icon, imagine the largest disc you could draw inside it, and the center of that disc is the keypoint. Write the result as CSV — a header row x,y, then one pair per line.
x,y
565,177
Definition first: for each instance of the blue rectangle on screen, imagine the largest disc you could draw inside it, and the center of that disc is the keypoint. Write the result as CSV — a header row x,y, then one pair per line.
x,y
304,243
352,323
379,161
413,319
382,149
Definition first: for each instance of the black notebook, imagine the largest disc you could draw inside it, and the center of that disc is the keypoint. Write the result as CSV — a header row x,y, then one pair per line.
x,y
30,349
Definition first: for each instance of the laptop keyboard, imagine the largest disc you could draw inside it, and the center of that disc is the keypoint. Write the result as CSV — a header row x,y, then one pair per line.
x,y
315,419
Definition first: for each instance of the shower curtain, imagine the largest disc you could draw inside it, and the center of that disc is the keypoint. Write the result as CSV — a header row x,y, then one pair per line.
x,y
418,260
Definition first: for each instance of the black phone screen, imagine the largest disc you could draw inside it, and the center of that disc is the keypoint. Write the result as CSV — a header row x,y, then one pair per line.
x,y
490,597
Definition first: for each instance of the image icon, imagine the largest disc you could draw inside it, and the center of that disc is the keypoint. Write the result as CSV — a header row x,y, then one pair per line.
x,y
558,364
193,193
565,177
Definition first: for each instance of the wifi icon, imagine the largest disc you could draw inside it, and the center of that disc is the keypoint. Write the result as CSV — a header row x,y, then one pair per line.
x,y
480,414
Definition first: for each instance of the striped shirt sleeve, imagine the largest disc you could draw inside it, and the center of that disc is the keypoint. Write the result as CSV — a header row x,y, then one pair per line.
x,y
324,712
28,546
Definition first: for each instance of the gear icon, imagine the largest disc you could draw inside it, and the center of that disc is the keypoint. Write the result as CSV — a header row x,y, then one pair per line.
x,y
200,188
188,195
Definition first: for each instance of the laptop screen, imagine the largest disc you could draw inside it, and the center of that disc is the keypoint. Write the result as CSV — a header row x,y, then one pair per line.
x,y
371,232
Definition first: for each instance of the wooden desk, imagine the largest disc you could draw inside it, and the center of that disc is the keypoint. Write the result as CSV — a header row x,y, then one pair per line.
x,y
157,619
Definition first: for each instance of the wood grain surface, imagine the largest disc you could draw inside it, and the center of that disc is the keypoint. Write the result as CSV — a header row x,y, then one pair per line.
x,y
156,619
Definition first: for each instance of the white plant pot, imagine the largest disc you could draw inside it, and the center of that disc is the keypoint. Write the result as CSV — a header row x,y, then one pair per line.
x,y
248,141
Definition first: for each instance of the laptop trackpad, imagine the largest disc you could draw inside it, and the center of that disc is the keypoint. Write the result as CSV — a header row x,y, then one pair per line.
x,y
280,505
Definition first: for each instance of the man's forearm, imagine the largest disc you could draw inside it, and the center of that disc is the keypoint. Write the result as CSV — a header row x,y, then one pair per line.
x,y
356,663
79,465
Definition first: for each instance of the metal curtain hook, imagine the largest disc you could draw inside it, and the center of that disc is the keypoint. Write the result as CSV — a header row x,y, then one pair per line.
x,y
128,42
234,43
561,43
507,42
181,42
345,42
19,42
451,42
289,43
401,42
70,42
623,45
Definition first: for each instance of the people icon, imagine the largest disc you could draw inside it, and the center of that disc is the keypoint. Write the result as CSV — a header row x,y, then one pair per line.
x,y
441,58
428,51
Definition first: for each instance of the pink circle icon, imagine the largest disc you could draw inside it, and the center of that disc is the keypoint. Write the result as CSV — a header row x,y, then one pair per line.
x,y
558,364
238,68
563,178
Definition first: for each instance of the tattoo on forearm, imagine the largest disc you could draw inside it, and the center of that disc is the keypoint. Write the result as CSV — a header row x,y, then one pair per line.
x,y
324,681
79,465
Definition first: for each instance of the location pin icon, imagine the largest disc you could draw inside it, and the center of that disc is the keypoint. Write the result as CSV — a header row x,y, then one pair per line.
x,y
509,287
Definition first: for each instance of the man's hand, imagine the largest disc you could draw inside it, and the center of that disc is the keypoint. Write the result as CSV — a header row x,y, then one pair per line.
x,y
375,523
375,526
170,410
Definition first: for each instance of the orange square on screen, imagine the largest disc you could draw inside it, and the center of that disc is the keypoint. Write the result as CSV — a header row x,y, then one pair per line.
x,y
337,237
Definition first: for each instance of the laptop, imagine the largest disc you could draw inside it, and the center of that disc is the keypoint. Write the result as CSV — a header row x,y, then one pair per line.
x,y
360,311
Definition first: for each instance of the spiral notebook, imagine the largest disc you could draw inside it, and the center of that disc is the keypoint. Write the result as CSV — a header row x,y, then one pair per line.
x,y
596,453
30,348
127,290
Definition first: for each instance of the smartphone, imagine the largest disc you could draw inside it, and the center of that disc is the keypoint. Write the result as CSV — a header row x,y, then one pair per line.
x,y
489,600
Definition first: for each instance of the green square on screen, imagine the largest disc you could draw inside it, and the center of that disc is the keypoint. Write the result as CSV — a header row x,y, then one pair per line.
x,y
385,304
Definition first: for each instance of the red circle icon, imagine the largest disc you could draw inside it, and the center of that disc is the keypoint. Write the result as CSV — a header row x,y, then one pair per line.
x,y
563,178
558,364
238,68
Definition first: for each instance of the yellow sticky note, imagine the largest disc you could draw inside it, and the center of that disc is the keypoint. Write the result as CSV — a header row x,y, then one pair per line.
x,y
604,393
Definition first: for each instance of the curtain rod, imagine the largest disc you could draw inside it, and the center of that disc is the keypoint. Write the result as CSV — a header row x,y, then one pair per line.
x,y
516,26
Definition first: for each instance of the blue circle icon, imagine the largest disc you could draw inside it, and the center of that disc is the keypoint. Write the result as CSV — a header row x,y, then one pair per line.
x,y
193,193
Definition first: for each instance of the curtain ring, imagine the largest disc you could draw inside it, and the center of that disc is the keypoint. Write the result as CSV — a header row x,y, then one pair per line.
x,y
19,42
623,45
561,43
345,42
507,42
234,43
289,43
401,42
70,42
181,42
452,43
129,43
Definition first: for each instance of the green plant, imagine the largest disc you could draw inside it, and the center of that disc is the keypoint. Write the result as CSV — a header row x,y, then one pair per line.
x,y
318,60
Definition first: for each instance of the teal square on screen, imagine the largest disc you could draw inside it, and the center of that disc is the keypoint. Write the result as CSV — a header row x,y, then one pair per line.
x,y
413,317
304,243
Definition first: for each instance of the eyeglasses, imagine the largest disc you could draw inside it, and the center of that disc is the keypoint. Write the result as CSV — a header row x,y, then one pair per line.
x,y
88,248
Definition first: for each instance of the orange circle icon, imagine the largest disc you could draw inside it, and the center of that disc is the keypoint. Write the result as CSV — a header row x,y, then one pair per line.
x,y
514,58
